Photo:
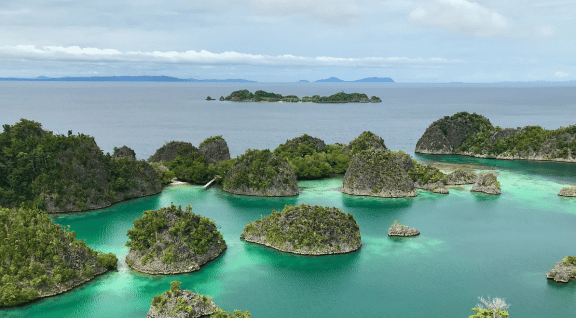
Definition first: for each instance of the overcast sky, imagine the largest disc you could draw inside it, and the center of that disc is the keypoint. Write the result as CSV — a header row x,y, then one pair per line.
x,y
290,40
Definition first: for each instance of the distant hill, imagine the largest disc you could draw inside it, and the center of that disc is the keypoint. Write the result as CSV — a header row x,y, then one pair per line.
x,y
367,79
122,79
303,81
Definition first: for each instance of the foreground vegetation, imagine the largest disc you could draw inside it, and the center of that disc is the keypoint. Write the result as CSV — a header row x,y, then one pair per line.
x,y
40,258
263,96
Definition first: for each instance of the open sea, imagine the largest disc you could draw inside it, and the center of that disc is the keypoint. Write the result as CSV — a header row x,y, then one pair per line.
x,y
470,244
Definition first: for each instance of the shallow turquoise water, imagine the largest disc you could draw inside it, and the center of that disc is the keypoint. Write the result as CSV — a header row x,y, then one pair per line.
x,y
470,245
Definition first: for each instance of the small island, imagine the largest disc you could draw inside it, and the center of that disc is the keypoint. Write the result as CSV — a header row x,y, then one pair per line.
x,y
209,98
172,241
563,271
41,259
263,96
567,192
487,183
178,303
261,173
402,230
460,177
306,230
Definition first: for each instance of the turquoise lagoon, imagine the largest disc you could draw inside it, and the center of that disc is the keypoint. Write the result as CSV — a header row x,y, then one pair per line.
x,y
470,245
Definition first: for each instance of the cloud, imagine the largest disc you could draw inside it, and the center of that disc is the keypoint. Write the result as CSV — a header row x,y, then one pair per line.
x,y
561,74
461,16
75,53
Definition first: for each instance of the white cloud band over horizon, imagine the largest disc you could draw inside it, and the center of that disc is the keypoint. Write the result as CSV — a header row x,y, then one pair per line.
x,y
203,57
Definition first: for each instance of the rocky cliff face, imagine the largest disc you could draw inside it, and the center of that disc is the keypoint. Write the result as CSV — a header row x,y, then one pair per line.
x,y
447,134
562,272
214,150
261,173
123,152
402,230
435,187
486,183
172,241
568,192
177,303
316,143
366,140
171,150
459,177
305,229
380,173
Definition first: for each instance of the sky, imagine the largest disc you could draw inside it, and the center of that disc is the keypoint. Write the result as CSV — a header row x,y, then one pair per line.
x,y
290,40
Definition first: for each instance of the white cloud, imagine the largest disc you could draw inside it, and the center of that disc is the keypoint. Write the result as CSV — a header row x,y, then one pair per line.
x,y
75,53
561,74
461,16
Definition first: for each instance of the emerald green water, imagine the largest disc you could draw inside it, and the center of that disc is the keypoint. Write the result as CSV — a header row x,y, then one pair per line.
x,y
470,245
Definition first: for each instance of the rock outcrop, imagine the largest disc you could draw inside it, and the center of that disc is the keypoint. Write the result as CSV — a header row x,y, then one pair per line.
x,y
305,229
214,149
460,177
447,134
366,140
429,178
172,241
123,152
402,230
568,192
171,150
177,303
379,173
293,144
563,271
261,173
436,187
487,183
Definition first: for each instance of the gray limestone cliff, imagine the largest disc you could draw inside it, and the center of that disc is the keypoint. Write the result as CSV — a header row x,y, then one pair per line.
x,y
214,149
305,229
460,177
487,183
563,271
568,192
261,173
402,230
379,173
171,150
172,241
124,152
366,140
178,303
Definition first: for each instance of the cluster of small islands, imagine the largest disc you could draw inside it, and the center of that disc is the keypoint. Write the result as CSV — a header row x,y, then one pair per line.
x,y
263,96
45,173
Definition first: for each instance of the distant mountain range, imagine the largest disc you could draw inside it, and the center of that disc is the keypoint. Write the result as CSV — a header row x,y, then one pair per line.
x,y
367,79
124,79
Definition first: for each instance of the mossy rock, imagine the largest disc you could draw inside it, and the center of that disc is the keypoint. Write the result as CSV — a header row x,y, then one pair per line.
x,y
379,173
305,229
487,183
460,177
124,152
261,173
214,149
178,303
172,241
292,146
568,192
170,150
366,140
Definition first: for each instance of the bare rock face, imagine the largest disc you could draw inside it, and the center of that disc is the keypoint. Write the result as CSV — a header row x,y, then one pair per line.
x,y
459,177
366,140
568,192
487,183
123,152
436,187
447,134
379,173
307,230
171,150
176,303
261,173
172,241
214,149
563,271
402,230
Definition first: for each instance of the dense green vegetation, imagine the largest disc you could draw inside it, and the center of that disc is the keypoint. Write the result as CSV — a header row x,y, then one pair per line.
x,y
487,313
70,170
365,141
155,227
530,138
426,173
260,96
159,301
310,159
256,169
40,257
313,227
209,140
569,260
